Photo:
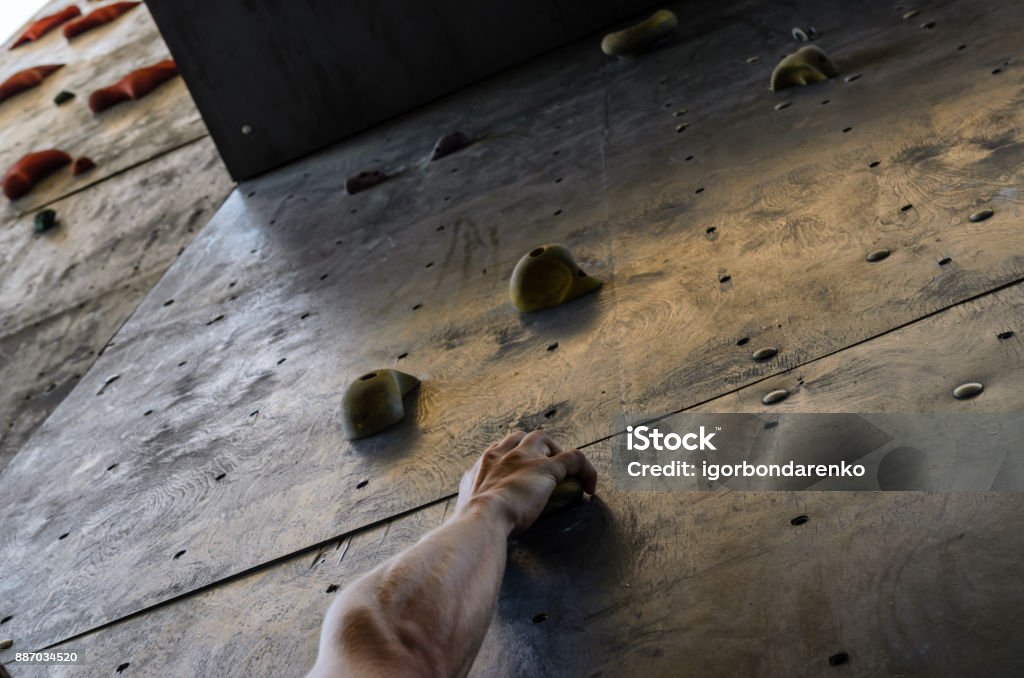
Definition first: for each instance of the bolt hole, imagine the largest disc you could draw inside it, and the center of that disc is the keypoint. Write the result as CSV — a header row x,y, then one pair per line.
x,y
552,347
361,484
799,520
64,536
537,252
550,413
540,618
331,589
743,342
168,302
367,377
220,476
122,667
1005,335
838,659
179,554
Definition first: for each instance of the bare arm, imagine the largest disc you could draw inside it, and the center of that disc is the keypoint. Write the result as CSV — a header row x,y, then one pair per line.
x,y
425,612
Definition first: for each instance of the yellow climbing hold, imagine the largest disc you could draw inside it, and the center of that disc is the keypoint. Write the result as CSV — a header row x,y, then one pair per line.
x,y
640,37
804,66
373,402
548,276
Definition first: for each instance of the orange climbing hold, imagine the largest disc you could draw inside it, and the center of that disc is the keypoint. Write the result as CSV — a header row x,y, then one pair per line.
x,y
135,85
82,165
26,79
31,169
46,24
97,18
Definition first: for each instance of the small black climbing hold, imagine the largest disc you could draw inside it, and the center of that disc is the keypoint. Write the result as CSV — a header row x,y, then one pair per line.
x,y
743,341
770,425
847,129
906,207
64,536
552,347
945,260
878,255
969,390
122,667
980,215
220,476
799,520
776,396
766,353
874,163
45,220
825,101
63,97
179,554
996,71
838,659
724,278
361,484
1005,335
331,589
550,413
538,618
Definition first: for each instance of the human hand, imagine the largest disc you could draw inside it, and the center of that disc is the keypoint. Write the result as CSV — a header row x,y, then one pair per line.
x,y
515,477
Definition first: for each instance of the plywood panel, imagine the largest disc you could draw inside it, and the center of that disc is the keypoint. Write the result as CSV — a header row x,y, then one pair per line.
x,y
117,139
244,436
63,295
704,583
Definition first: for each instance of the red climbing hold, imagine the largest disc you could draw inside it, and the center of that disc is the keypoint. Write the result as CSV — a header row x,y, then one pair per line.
x,y
32,169
46,24
82,165
97,18
26,79
135,85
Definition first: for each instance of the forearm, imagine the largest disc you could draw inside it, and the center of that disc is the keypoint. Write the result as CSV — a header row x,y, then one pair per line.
x,y
425,611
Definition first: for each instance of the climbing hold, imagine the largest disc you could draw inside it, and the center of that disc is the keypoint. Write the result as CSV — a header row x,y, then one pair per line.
x,y
802,35
25,80
806,65
776,396
373,402
63,97
640,37
548,276
450,143
852,78
680,113
82,165
878,255
46,24
30,170
681,126
765,353
364,180
6,643
753,60
980,216
135,85
911,14
97,18
968,390
566,493
45,220
782,105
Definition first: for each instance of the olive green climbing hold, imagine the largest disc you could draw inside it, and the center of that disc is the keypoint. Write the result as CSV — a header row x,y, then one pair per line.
x,y
548,276
63,97
45,220
980,216
566,493
878,255
766,353
804,66
373,402
640,37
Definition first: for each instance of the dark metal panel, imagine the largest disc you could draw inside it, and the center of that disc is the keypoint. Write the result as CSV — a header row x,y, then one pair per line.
x,y
300,75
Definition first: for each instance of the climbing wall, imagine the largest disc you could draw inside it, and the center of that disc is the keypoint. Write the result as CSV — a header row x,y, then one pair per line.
x,y
157,180
853,244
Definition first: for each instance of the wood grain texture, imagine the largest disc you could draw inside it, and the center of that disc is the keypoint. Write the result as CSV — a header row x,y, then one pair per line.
x,y
116,140
241,443
717,584
63,295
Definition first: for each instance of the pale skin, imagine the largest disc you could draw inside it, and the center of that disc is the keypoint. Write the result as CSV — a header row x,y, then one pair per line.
x,y
425,611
